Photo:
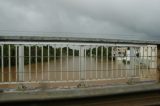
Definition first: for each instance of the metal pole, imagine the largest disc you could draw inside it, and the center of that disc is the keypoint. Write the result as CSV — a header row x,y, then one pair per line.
x,y
85,63
9,58
16,61
67,62
73,64
91,73
139,61
126,64
151,64
116,67
134,63
42,60
143,63
36,62
131,62
112,74
48,62
147,62
21,62
2,57
101,62
82,64
61,63
107,63
121,61
29,63
157,59
96,62
55,66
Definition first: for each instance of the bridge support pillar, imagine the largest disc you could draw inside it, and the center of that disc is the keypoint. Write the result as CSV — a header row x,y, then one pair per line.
x,y
21,63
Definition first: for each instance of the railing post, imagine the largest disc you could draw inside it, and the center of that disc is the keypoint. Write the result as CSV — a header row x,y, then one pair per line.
x,y
82,63
21,63
131,62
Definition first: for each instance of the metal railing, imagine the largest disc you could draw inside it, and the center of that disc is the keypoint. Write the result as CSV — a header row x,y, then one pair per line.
x,y
53,61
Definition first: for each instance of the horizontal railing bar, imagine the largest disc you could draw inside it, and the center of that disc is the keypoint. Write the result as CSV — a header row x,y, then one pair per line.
x,y
87,70
65,81
81,56
72,44
72,39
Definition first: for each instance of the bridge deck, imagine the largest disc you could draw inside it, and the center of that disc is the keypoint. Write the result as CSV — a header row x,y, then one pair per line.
x,y
42,94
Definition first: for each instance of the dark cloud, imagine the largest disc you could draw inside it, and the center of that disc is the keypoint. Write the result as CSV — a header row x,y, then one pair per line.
x,y
123,19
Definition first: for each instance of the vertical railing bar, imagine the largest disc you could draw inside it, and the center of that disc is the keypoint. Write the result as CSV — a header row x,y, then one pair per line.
x,y
134,63
118,67
116,56
67,62
143,63
80,63
132,58
16,61
96,61
48,62
29,63
107,63
61,63
139,61
126,70
117,64
42,60
91,71
151,62
115,67
147,62
156,57
73,64
23,63
130,65
112,74
2,57
101,62
36,62
85,63
121,67
9,58
131,62
55,64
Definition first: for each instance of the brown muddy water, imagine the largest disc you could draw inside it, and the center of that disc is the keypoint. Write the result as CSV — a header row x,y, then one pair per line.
x,y
70,70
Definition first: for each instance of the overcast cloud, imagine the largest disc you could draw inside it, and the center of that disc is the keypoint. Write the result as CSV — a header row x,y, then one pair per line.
x,y
117,19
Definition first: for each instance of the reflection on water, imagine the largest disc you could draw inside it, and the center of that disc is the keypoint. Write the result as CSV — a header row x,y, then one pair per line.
x,y
88,69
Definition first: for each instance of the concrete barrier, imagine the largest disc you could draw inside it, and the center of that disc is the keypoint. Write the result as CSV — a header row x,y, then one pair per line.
x,y
76,92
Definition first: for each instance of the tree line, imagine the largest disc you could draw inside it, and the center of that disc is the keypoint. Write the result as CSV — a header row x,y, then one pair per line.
x,y
45,54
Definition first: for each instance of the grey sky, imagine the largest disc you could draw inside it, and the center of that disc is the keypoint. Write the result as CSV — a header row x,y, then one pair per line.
x,y
119,19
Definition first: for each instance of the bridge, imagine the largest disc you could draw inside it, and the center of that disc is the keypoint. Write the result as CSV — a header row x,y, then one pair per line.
x,y
29,63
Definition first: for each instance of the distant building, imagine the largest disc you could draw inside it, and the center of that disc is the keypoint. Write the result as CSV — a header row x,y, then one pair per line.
x,y
144,55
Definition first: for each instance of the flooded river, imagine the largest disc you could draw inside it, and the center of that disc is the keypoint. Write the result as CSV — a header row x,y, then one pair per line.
x,y
76,69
